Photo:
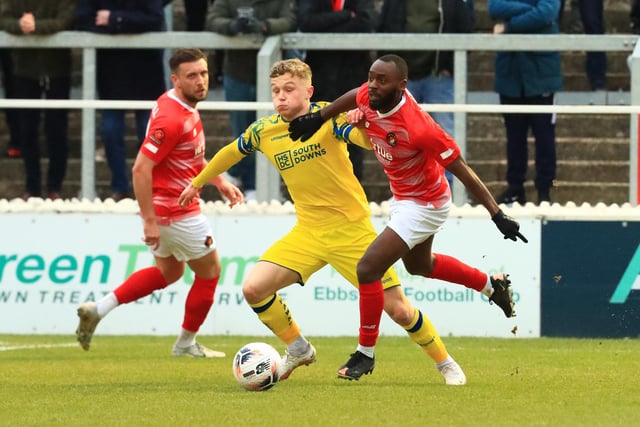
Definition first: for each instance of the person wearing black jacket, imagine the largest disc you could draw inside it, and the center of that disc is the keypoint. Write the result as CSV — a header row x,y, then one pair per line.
x,y
136,74
37,73
430,72
634,16
336,71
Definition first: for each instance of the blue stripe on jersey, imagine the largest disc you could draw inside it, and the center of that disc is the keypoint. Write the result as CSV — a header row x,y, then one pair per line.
x,y
244,146
342,131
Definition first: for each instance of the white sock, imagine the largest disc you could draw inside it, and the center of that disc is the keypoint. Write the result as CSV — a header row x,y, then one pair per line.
x,y
298,347
106,304
488,287
186,339
367,351
448,361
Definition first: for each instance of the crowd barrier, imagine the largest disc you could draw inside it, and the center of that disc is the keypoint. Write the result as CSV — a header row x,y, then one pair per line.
x,y
271,48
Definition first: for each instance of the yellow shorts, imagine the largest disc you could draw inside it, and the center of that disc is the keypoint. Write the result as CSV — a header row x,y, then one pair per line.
x,y
306,250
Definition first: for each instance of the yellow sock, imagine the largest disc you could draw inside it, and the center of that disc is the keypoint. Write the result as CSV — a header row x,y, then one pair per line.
x,y
275,314
422,332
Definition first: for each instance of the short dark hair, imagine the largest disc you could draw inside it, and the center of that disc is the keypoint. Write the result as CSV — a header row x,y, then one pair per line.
x,y
401,64
180,56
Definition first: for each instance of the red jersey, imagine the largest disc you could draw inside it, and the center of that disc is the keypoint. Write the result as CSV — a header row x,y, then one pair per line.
x,y
412,148
175,142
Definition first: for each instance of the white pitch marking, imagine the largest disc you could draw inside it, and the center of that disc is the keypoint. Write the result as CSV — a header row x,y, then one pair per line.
x,y
32,346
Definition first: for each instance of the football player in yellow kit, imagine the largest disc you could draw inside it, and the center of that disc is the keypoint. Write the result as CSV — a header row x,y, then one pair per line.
x,y
333,226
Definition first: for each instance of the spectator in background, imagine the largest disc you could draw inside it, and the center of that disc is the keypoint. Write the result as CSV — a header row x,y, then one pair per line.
x,y
337,71
196,16
592,19
430,72
11,115
528,78
634,16
136,74
196,13
264,18
38,73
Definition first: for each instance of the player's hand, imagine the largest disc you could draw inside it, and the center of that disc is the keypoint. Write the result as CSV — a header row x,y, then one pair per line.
x,y
230,192
187,195
508,226
27,23
304,127
355,117
151,234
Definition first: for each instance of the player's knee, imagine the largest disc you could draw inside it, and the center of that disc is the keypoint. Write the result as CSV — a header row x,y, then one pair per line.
x,y
368,272
419,269
252,293
172,275
400,311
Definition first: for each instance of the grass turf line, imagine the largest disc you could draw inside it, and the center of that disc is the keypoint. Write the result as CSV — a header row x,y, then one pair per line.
x,y
133,380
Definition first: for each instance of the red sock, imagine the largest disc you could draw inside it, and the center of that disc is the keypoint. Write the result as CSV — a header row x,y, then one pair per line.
x,y
199,302
140,284
452,270
371,305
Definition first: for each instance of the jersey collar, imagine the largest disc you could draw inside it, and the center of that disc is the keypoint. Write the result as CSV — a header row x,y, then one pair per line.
x,y
394,109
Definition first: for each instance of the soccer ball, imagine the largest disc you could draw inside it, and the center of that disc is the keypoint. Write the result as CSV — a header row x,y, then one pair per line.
x,y
256,366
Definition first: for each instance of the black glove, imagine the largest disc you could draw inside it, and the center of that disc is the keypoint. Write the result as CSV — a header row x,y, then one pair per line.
x,y
304,127
239,25
508,226
257,27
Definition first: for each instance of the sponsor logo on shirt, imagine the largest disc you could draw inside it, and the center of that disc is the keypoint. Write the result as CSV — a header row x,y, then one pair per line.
x,y
381,152
290,158
157,136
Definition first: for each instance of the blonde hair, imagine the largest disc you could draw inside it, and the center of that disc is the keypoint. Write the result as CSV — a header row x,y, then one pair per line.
x,y
294,66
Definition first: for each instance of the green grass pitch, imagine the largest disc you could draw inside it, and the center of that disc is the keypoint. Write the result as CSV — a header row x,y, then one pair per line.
x,y
134,381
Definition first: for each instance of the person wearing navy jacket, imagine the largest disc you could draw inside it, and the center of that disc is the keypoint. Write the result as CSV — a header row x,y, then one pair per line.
x,y
527,77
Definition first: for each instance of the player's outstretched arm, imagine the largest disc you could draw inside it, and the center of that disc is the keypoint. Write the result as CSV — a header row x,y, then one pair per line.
x,y
222,161
508,226
305,126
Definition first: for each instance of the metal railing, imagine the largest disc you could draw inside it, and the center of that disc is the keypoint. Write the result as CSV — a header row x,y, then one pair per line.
x,y
270,50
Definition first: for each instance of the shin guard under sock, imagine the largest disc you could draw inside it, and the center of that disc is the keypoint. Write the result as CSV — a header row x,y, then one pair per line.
x,y
452,270
198,303
140,284
371,306
275,315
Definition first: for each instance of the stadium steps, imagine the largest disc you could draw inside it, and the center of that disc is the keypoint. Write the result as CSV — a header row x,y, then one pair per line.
x,y
593,152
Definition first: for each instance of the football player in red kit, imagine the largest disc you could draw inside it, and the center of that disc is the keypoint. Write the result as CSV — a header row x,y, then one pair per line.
x,y
170,156
414,152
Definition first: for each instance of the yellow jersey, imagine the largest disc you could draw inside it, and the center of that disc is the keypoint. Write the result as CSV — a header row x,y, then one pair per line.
x,y
317,172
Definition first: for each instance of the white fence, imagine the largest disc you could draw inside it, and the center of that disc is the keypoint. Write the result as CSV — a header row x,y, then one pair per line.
x,y
270,49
